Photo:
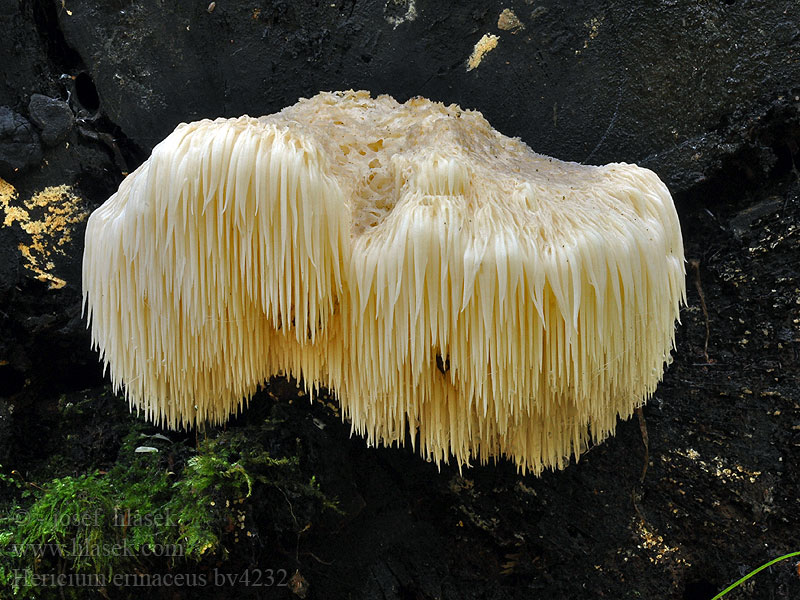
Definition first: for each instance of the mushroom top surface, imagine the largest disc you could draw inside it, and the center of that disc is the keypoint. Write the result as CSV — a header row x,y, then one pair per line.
x,y
384,154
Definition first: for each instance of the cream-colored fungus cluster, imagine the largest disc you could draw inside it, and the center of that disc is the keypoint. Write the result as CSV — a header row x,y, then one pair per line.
x,y
443,279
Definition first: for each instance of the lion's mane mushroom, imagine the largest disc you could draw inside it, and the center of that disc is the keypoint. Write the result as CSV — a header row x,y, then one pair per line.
x,y
440,277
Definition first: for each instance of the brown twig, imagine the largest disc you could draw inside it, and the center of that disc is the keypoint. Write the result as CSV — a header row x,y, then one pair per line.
x,y
318,559
645,441
637,492
695,264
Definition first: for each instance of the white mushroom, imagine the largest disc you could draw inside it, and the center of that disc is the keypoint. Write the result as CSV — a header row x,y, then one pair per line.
x,y
442,279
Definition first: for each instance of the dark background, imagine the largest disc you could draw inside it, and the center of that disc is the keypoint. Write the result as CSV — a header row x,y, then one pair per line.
x,y
705,93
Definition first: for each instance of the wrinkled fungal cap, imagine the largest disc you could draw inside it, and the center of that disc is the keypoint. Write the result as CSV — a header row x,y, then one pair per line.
x,y
440,277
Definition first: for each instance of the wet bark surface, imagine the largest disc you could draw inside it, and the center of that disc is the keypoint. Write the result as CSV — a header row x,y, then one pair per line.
x,y
677,505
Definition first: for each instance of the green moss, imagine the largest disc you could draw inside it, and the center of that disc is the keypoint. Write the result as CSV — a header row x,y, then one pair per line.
x,y
154,511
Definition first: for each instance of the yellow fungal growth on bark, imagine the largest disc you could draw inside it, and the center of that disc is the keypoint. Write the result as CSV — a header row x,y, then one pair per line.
x,y
483,46
450,285
48,218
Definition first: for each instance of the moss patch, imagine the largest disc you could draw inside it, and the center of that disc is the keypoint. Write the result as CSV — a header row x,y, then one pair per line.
x,y
163,509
